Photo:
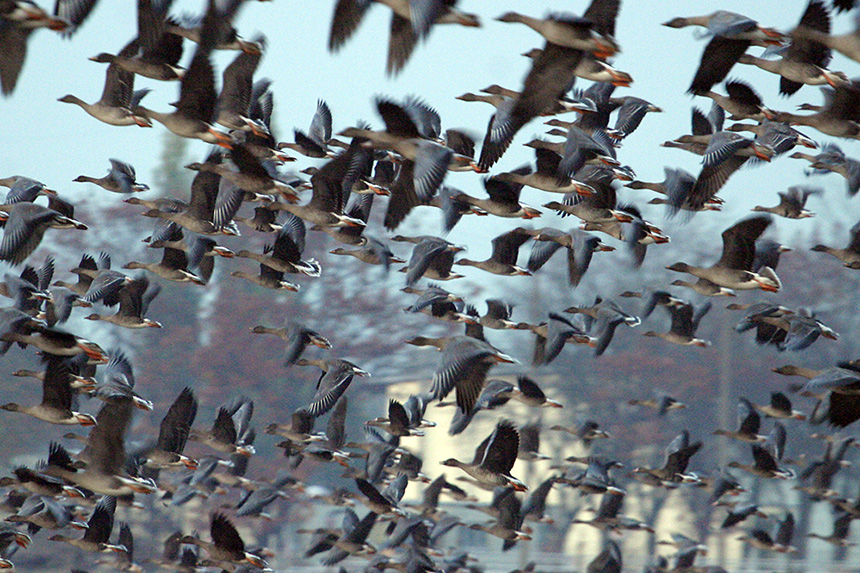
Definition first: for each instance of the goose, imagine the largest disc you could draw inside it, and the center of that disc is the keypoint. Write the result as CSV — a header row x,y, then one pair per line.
x,y
173,434
397,423
20,19
733,269
604,316
196,107
804,61
503,198
410,22
105,455
173,267
120,179
231,429
748,424
25,225
99,526
284,255
234,101
841,531
530,443
742,101
315,142
685,321
57,342
226,545
155,51
663,403
297,336
325,209
56,405
547,175
850,255
503,259
202,214
494,458
334,380
846,44
431,257
509,519
580,246
765,464
838,117
134,301
251,175
118,100
780,407
792,202
568,31
678,455
374,252
731,35
41,484
45,512
465,363
552,73
833,159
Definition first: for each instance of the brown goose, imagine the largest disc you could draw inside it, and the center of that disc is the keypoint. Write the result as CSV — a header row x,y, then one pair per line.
x,y
748,424
284,255
580,246
850,255
410,22
733,270
51,340
494,458
325,208
804,61
431,257
685,321
780,407
118,97
20,19
792,202
297,336
56,405
503,261
837,117
678,455
315,143
251,175
231,429
134,300
202,214
226,547
173,267
334,380
374,252
25,225
99,526
732,34
173,433
503,200
196,107
120,179
234,101
465,363
105,454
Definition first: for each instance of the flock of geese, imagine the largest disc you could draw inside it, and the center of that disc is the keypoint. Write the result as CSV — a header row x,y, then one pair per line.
x,y
239,188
